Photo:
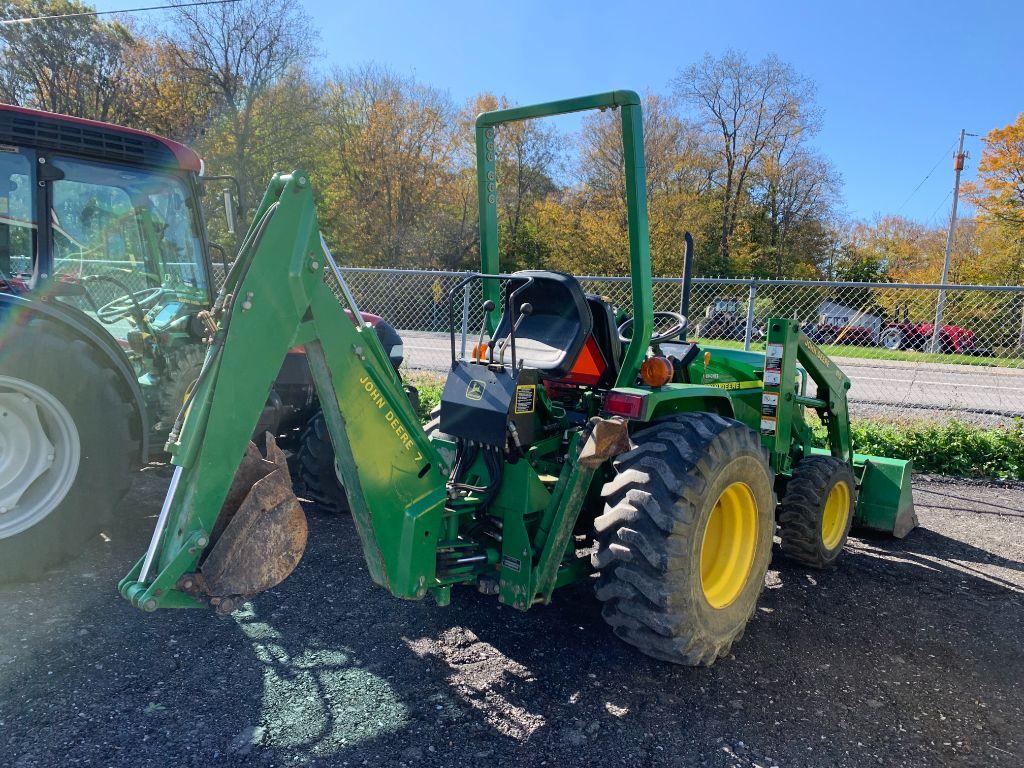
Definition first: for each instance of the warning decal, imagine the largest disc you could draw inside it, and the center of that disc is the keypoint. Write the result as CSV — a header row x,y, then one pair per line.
x,y
526,398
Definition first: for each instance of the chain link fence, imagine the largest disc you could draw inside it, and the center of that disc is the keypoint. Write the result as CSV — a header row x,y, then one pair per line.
x,y
969,365
902,363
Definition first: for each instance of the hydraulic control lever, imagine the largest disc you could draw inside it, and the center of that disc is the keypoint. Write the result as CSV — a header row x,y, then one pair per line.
x,y
525,310
478,350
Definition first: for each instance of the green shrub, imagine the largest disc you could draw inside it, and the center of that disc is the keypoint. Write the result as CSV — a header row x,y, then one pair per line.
x,y
429,385
952,448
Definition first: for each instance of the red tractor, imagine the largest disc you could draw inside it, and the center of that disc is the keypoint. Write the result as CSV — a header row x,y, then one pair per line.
x,y
904,334
105,267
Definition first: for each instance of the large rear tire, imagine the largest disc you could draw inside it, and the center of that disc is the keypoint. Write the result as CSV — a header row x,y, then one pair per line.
x,y
315,474
182,368
67,449
686,537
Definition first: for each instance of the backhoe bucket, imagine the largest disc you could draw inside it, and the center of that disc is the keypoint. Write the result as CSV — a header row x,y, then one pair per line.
x,y
260,533
885,502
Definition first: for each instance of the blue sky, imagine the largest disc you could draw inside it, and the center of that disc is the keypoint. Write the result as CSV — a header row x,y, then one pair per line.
x,y
897,80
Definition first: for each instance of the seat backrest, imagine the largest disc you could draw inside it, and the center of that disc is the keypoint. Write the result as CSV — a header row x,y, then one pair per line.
x,y
551,337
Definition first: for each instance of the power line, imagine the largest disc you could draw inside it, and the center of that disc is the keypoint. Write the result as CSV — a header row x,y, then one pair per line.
x,y
937,207
30,19
928,176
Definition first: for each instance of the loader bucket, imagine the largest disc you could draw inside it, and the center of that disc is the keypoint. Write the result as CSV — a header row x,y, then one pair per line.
x,y
885,502
259,536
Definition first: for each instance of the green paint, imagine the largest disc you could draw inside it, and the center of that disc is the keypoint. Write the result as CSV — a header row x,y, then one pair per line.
x,y
631,121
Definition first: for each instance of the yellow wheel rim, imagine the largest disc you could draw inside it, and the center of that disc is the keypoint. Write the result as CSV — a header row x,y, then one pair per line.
x,y
833,519
727,549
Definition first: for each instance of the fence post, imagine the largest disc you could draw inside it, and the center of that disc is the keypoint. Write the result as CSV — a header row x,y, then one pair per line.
x,y
940,307
749,330
1020,333
465,318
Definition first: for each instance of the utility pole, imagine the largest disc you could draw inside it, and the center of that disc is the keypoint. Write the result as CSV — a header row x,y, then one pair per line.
x,y
958,166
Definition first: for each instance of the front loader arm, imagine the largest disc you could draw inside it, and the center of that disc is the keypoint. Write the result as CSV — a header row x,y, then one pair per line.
x,y
782,422
276,298
884,499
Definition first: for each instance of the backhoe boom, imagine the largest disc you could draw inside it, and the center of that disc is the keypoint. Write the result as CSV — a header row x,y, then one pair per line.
x,y
276,298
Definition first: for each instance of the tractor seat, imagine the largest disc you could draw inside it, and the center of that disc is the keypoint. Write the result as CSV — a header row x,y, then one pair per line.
x,y
551,337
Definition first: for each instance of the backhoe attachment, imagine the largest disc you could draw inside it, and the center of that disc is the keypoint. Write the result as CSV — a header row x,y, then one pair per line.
x,y
259,536
230,526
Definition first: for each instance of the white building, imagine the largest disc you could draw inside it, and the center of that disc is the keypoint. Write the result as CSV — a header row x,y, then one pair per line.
x,y
831,313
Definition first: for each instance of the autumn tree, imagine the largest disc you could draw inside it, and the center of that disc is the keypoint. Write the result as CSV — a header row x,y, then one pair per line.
x,y
999,195
237,52
679,168
391,147
75,65
527,156
167,98
999,191
748,108
794,191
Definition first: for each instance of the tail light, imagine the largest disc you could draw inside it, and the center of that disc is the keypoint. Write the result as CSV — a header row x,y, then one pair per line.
x,y
624,404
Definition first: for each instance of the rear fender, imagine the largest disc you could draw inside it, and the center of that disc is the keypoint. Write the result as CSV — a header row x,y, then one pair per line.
x,y
681,398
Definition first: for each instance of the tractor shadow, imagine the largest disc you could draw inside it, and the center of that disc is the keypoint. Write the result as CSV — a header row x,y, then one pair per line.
x,y
327,669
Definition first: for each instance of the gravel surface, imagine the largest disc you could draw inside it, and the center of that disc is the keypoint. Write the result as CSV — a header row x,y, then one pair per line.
x,y
907,653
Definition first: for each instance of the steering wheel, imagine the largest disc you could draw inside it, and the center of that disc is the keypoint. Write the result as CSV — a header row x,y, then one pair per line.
x,y
132,303
677,328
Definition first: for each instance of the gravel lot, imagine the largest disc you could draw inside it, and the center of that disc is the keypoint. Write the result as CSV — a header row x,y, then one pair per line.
x,y
908,653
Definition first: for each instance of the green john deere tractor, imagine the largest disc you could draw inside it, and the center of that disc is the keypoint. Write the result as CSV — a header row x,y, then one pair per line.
x,y
573,443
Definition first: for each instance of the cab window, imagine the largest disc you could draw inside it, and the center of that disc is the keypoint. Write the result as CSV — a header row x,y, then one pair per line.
x,y
17,215
123,237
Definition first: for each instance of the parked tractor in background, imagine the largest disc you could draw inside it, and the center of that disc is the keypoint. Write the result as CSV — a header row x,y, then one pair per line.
x,y
576,440
723,319
105,273
902,333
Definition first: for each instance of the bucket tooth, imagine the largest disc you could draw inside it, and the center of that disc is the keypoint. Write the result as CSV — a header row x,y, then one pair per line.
x,y
261,531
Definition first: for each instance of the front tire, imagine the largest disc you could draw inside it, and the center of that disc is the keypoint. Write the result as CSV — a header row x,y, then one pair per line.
x,y
685,538
67,449
817,510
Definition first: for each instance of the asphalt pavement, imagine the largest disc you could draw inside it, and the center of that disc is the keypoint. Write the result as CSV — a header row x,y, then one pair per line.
x,y
907,653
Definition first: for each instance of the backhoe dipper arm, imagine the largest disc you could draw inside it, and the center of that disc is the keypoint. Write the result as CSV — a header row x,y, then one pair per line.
x,y
276,298
782,403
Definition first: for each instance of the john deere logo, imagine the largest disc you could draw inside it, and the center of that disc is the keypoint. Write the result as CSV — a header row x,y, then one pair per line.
x,y
475,390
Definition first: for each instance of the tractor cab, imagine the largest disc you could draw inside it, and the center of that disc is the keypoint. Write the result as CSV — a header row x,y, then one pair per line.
x,y
105,219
